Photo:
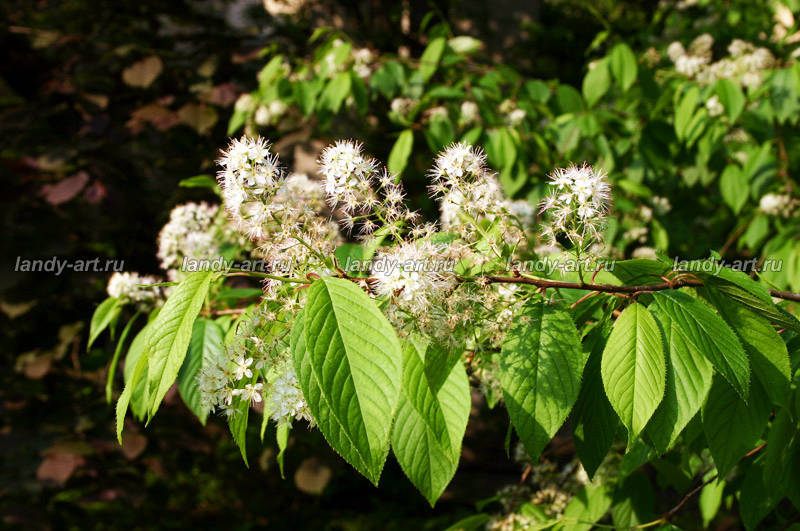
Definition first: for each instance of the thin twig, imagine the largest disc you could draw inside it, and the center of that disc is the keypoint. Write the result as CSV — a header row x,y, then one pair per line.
x,y
610,288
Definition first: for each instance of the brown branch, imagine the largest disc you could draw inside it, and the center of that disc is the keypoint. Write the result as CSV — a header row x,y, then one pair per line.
x,y
610,288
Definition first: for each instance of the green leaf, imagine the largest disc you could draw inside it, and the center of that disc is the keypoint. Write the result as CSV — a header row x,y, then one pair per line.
x,y
768,354
633,502
596,82
685,111
401,150
633,368
733,187
569,99
238,119
709,334
594,421
282,438
623,65
689,373
778,466
540,372
430,422
138,398
710,500
429,61
206,348
199,181
105,313
749,298
237,423
112,368
590,504
335,92
305,94
125,397
731,97
755,499
348,361
732,427
171,332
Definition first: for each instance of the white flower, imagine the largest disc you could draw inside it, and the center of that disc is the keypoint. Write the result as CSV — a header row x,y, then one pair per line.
x,y
402,106
245,103
781,205
250,393
578,204
469,112
189,233
675,51
515,117
647,253
714,106
277,108
348,174
262,116
457,164
242,367
413,274
133,287
284,397
661,205
249,177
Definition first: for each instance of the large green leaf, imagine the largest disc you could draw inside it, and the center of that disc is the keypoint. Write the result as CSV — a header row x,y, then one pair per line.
x,y
401,150
623,65
633,368
596,82
348,361
587,506
540,372
689,374
768,354
206,348
757,303
731,97
703,329
238,417
429,60
430,422
168,341
112,368
732,427
594,421
105,313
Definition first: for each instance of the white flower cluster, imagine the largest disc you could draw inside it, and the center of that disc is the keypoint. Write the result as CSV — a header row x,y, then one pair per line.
x,y
134,287
362,58
367,196
190,232
255,370
470,113
269,113
578,205
284,397
745,63
467,189
415,275
779,205
403,106
250,176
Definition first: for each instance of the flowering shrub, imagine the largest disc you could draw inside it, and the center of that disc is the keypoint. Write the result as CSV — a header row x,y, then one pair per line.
x,y
377,343
543,285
